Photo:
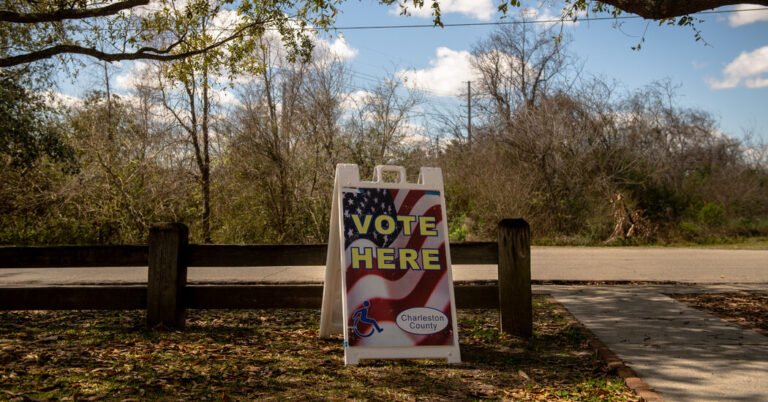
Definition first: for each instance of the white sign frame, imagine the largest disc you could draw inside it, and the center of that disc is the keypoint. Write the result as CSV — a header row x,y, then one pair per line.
x,y
333,318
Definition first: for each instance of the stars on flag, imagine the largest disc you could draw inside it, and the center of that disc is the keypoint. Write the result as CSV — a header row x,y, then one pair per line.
x,y
374,202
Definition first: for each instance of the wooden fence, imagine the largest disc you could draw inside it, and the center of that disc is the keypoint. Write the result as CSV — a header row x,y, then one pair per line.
x,y
168,254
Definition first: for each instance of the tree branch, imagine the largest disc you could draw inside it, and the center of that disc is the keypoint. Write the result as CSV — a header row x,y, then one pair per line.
x,y
660,9
69,14
144,53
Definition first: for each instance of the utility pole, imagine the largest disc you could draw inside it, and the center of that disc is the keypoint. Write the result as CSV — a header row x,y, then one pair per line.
x,y
469,113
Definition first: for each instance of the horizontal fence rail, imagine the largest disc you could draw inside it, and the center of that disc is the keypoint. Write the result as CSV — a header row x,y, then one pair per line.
x,y
205,255
73,256
74,298
167,293
201,297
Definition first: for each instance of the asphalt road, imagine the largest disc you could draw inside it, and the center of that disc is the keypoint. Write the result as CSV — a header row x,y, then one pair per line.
x,y
687,265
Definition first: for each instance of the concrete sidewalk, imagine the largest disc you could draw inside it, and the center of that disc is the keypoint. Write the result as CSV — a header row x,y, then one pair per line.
x,y
683,353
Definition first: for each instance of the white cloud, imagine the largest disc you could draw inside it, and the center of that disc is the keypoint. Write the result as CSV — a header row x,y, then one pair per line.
x,y
747,17
59,100
130,78
157,6
339,49
415,135
749,69
324,51
478,9
756,154
757,83
226,97
448,75
226,19
545,14
353,100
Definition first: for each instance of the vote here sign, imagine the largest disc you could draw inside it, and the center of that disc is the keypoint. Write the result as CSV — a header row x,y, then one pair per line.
x,y
397,281
394,248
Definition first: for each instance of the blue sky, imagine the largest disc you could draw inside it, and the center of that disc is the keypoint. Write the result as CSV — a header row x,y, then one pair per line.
x,y
737,95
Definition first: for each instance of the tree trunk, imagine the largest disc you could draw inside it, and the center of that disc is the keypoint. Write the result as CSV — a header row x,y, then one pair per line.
x,y
205,169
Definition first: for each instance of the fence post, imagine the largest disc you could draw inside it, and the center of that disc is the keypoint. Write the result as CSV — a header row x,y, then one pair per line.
x,y
167,275
515,305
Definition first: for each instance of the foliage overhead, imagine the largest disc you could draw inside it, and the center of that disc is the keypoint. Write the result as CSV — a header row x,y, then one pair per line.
x,y
115,30
159,30
654,9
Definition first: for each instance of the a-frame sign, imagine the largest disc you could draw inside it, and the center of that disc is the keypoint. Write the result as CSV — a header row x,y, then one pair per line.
x,y
388,280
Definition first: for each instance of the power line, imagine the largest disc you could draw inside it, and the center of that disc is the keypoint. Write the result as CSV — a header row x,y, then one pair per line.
x,y
521,22
481,24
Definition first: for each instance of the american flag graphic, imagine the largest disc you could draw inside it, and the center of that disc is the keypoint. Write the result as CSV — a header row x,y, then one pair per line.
x,y
390,292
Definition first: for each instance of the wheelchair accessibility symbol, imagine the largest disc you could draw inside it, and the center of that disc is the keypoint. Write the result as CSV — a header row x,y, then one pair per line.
x,y
361,316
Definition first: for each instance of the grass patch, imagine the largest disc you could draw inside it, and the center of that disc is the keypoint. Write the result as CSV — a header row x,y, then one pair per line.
x,y
276,354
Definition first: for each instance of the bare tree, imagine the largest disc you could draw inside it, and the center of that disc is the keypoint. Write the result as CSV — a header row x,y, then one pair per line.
x,y
323,95
379,124
518,65
267,138
186,95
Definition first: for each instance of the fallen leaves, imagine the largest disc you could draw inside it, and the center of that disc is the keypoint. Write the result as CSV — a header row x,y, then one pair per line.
x,y
276,354
747,309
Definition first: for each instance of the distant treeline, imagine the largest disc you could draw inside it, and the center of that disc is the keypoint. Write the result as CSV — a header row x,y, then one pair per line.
x,y
582,161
